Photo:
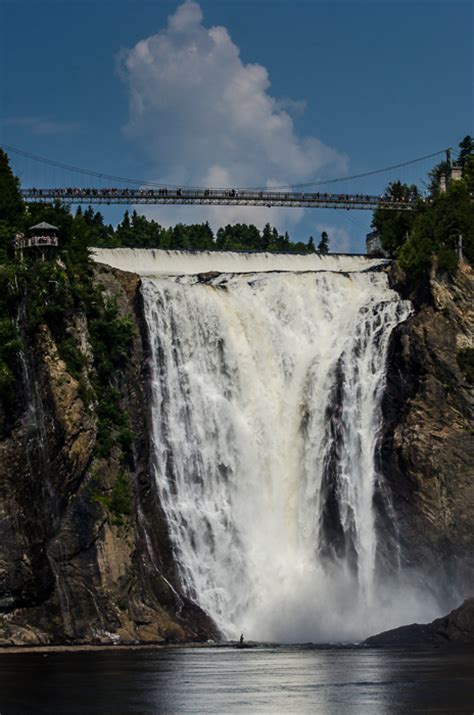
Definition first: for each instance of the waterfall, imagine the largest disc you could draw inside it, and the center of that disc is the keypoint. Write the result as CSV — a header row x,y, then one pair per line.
x,y
266,407
148,262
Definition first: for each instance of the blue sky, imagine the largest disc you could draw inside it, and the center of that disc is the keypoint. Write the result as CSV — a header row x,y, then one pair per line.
x,y
280,92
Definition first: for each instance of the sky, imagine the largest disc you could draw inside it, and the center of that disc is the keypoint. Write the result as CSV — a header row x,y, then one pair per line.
x,y
238,93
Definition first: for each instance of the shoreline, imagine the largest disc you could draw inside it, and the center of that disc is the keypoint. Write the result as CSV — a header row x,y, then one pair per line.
x,y
80,648
112,647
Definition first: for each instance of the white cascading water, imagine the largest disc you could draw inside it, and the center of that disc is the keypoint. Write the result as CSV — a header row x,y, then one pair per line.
x,y
266,409
151,262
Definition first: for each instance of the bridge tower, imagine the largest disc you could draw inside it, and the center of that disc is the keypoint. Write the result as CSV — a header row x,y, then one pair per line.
x,y
42,238
454,173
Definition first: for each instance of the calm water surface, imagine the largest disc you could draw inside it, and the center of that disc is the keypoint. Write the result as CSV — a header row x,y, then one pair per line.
x,y
224,680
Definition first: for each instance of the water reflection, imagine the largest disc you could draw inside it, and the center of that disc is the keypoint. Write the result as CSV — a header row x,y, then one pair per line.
x,y
224,680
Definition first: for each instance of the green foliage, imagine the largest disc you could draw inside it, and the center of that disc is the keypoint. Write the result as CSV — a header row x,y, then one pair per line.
x,y
447,259
73,357
10,344
119,501
121,497
394,226
466,149
111,338
53,293
435,176
468,173
137,231
436,230
465,359
434,227
323,246
11,204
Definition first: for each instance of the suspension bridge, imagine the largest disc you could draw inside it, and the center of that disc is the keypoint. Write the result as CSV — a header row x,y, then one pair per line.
x,y
107,189
220,197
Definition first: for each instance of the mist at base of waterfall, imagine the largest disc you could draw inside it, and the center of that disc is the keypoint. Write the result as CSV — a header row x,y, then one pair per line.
x,y
331,611
266,410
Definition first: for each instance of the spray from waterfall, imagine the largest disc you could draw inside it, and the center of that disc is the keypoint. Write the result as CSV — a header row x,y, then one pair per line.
x,y
266,408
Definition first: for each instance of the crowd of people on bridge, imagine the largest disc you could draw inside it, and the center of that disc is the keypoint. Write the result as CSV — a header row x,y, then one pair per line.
x,y
242,195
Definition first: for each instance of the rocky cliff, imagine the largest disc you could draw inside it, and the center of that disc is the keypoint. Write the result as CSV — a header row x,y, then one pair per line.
x,y
455,629
72,570
427,450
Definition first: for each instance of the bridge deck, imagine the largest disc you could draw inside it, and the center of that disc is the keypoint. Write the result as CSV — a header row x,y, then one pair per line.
x,y
209,197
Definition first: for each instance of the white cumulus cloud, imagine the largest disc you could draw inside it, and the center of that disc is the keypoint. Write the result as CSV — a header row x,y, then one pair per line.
x,y
206,118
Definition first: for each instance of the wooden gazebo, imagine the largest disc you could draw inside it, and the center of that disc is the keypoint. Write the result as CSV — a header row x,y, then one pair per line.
x,y
41,237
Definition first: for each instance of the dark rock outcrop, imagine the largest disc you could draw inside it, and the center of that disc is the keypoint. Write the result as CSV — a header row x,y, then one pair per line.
x,y
455,629
427,445
70,573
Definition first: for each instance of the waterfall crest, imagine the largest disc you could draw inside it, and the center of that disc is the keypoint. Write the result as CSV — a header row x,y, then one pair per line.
x,y
151,262
266,395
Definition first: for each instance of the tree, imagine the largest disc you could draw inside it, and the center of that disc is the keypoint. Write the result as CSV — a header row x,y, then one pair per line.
x,y
310,247
11,203
466,149
323,247
266,236
394,226
435,176
466,159
436,230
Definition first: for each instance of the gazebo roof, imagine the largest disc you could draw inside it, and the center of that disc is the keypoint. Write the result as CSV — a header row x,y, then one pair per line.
x,y
44,225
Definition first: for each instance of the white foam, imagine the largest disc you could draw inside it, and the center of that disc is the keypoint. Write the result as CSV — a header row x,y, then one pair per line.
x,y
266,407
154,262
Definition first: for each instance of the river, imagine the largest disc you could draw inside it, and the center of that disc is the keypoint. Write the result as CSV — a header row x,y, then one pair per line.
x,y
286,679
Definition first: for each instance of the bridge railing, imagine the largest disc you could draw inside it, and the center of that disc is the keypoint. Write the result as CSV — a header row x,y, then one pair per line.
x,y
215,196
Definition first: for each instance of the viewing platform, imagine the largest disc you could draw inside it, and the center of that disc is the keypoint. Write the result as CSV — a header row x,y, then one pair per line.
x,y
42,236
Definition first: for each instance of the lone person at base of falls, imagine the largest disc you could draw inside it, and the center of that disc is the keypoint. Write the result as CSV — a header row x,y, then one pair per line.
x,y
241,640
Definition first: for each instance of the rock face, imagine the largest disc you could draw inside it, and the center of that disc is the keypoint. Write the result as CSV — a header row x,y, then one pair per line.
x,y
455,629
68,572
427,451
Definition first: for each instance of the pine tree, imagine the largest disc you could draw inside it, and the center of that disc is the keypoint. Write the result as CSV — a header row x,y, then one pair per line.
x,y
11,203
266,236
323,247
466,149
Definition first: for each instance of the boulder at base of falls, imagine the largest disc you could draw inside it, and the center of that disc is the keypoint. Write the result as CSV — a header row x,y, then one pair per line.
x,y
457,628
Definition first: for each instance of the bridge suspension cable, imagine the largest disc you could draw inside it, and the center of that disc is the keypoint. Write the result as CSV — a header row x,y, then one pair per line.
x,y
144,182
